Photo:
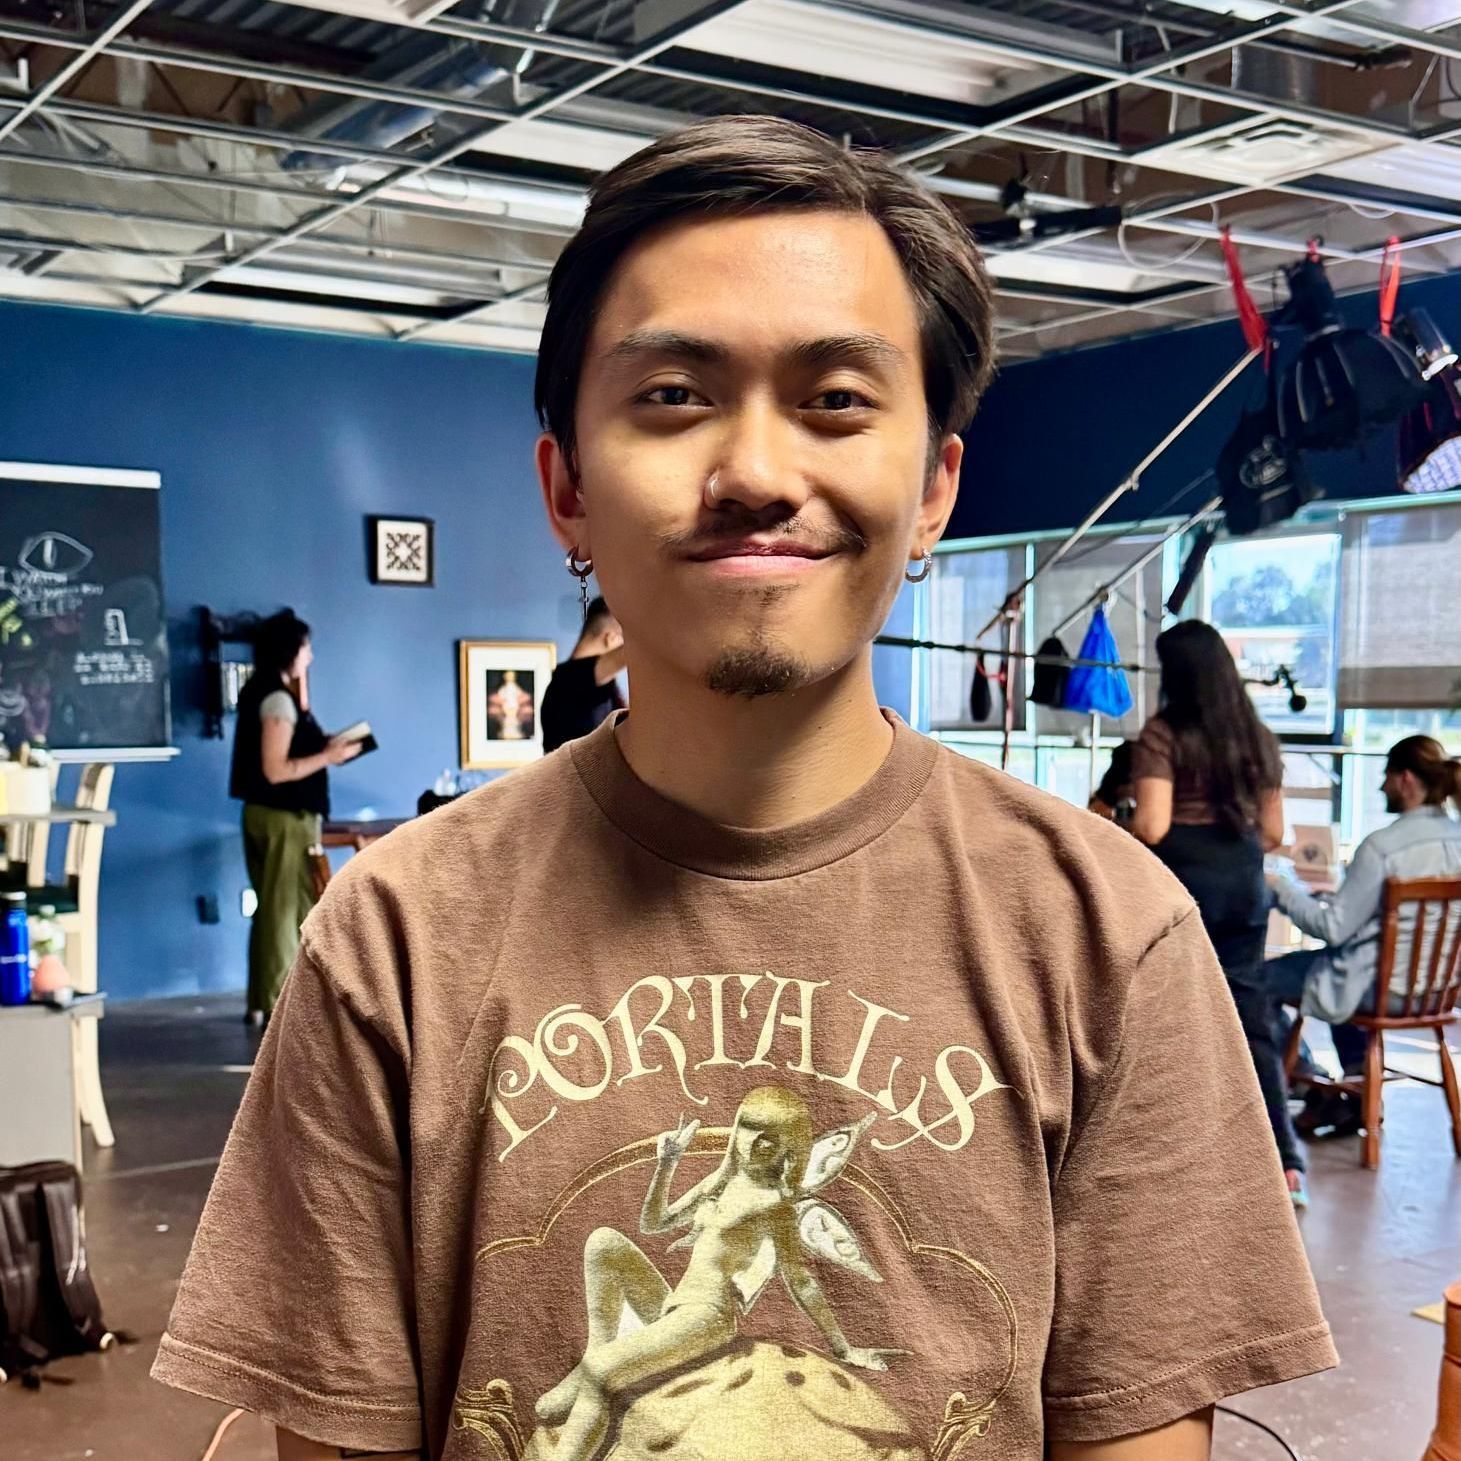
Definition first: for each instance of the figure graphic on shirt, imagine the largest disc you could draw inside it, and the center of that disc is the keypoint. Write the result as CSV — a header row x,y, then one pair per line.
x,y
510,707
755,1216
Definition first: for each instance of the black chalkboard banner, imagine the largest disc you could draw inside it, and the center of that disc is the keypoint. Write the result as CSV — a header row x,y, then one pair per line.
x,y
83,631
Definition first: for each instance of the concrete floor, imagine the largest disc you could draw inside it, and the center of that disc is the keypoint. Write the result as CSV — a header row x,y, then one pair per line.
x,y
1381,1244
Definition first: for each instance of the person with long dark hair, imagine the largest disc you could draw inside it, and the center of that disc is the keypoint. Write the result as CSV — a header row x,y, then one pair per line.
x,y
281,761
1208,777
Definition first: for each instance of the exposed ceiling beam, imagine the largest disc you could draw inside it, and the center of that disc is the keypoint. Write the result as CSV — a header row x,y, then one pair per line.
x,y
73,68
449,152
1152,73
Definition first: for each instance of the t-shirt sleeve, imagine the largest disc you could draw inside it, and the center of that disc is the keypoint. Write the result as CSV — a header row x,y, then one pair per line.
x,y
1151,757
297,1299
1180,1276
279,705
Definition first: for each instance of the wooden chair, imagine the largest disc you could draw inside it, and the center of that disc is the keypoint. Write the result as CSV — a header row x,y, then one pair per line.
x,y
1433,983
319,869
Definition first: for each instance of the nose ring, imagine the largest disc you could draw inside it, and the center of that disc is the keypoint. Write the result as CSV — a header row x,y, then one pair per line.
x,y
712,487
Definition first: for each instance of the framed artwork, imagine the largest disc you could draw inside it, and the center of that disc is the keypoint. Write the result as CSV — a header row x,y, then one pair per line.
x,y
402,550
500,687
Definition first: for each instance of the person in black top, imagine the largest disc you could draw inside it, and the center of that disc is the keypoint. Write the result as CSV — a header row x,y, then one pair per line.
x,y
582,692
280,761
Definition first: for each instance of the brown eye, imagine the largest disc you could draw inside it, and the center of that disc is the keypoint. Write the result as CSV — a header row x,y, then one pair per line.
x,y
839,400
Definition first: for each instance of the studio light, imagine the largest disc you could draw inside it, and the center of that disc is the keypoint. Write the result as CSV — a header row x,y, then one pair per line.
x,y
1428,447
1423,337
1260,474
1343,381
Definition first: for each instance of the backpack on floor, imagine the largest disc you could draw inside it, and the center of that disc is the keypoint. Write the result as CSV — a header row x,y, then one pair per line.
x,y
48,1302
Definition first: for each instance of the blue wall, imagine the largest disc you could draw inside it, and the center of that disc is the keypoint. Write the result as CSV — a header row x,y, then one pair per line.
x,y
1055,435
273,446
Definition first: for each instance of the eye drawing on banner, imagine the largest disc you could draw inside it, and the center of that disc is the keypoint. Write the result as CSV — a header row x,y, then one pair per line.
x,y
401,551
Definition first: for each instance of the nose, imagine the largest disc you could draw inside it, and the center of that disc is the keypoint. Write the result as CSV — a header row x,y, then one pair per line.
x,y
757,467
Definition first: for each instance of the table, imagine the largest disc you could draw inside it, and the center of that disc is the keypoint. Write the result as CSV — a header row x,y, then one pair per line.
x,y
40,1118
60,815
359,835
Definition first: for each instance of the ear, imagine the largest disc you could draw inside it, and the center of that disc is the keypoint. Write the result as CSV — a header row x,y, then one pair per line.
x,y
561,497
939,495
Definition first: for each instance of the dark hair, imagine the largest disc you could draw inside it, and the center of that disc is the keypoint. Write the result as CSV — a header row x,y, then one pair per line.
x,y
1426,759
1219,740
278,641
598,611
735,166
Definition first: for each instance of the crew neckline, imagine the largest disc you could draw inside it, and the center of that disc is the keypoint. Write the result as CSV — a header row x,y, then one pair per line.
x,y
689,840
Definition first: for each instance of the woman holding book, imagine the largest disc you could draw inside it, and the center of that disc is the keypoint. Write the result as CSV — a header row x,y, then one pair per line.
x,y
281,761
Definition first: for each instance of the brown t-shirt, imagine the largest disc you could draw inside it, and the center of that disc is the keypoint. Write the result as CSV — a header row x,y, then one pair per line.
x,y
980,1152
1156,757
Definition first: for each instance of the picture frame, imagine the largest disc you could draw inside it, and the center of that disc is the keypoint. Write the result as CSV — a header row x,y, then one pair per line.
x,y
401,551
500,689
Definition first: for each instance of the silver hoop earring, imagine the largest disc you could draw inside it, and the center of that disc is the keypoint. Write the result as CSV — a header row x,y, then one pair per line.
x,y
580,568
922,572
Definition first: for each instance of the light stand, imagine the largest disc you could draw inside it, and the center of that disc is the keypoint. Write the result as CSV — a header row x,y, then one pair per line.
x,y
1129,483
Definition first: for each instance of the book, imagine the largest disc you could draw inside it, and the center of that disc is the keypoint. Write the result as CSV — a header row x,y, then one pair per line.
x,y
361,732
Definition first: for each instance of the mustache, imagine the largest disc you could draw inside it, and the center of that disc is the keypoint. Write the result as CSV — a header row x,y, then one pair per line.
x,y
841,537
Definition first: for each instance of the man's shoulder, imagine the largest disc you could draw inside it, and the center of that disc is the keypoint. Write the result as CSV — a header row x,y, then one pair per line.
x,y
458,851
1053,852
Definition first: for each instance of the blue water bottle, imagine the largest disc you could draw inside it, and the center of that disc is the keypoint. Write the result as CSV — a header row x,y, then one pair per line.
x,y
14,950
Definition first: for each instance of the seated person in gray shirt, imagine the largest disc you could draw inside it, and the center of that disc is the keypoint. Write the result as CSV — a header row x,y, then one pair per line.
x,y
1424,841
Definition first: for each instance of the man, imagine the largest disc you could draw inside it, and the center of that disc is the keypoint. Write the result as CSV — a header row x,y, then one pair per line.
x,y
827,1004
1333,983
582,693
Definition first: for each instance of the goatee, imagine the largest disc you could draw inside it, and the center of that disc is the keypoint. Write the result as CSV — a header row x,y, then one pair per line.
x,y
756,670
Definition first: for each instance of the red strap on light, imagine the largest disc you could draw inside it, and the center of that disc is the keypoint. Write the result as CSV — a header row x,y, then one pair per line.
x,y
1389,282
1255,327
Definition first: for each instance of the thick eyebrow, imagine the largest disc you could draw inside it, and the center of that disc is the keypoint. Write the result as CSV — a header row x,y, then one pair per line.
x,y
668,343
869,350
872,351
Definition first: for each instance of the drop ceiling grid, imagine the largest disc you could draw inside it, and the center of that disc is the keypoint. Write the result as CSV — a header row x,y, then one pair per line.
x,y
581,94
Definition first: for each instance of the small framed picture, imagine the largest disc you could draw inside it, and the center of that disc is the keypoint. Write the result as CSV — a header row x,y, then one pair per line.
x,y
500,688
402,550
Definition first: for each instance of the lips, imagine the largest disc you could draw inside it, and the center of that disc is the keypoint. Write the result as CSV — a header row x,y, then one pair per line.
x,y
758,548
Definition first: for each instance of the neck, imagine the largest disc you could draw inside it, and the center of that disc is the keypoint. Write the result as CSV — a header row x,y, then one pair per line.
x,y
764,762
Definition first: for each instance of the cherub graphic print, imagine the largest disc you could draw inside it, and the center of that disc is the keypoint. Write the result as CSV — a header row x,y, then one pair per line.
x,y
589,1130
677,1367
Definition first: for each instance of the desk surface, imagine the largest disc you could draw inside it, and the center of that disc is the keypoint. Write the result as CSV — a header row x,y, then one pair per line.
x,y
81,1007
59,813
358,834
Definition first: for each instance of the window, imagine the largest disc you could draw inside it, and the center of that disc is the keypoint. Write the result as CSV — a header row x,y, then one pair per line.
x,y
1274,601
1134,614
966,591
1369,735
1401,639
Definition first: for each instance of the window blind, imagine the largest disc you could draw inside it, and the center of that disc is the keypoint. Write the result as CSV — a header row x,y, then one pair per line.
x,y
1400,609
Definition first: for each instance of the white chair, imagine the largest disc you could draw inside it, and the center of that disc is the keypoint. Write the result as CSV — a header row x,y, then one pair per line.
x,y
83,880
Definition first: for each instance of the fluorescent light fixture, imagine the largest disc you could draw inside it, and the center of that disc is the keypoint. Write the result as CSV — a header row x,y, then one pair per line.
x,y
854,45
1085,269
523,202
594,149
1431,170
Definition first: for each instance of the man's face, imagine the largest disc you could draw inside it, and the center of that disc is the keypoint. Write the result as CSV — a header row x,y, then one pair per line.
x,y
1400,789
753,447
